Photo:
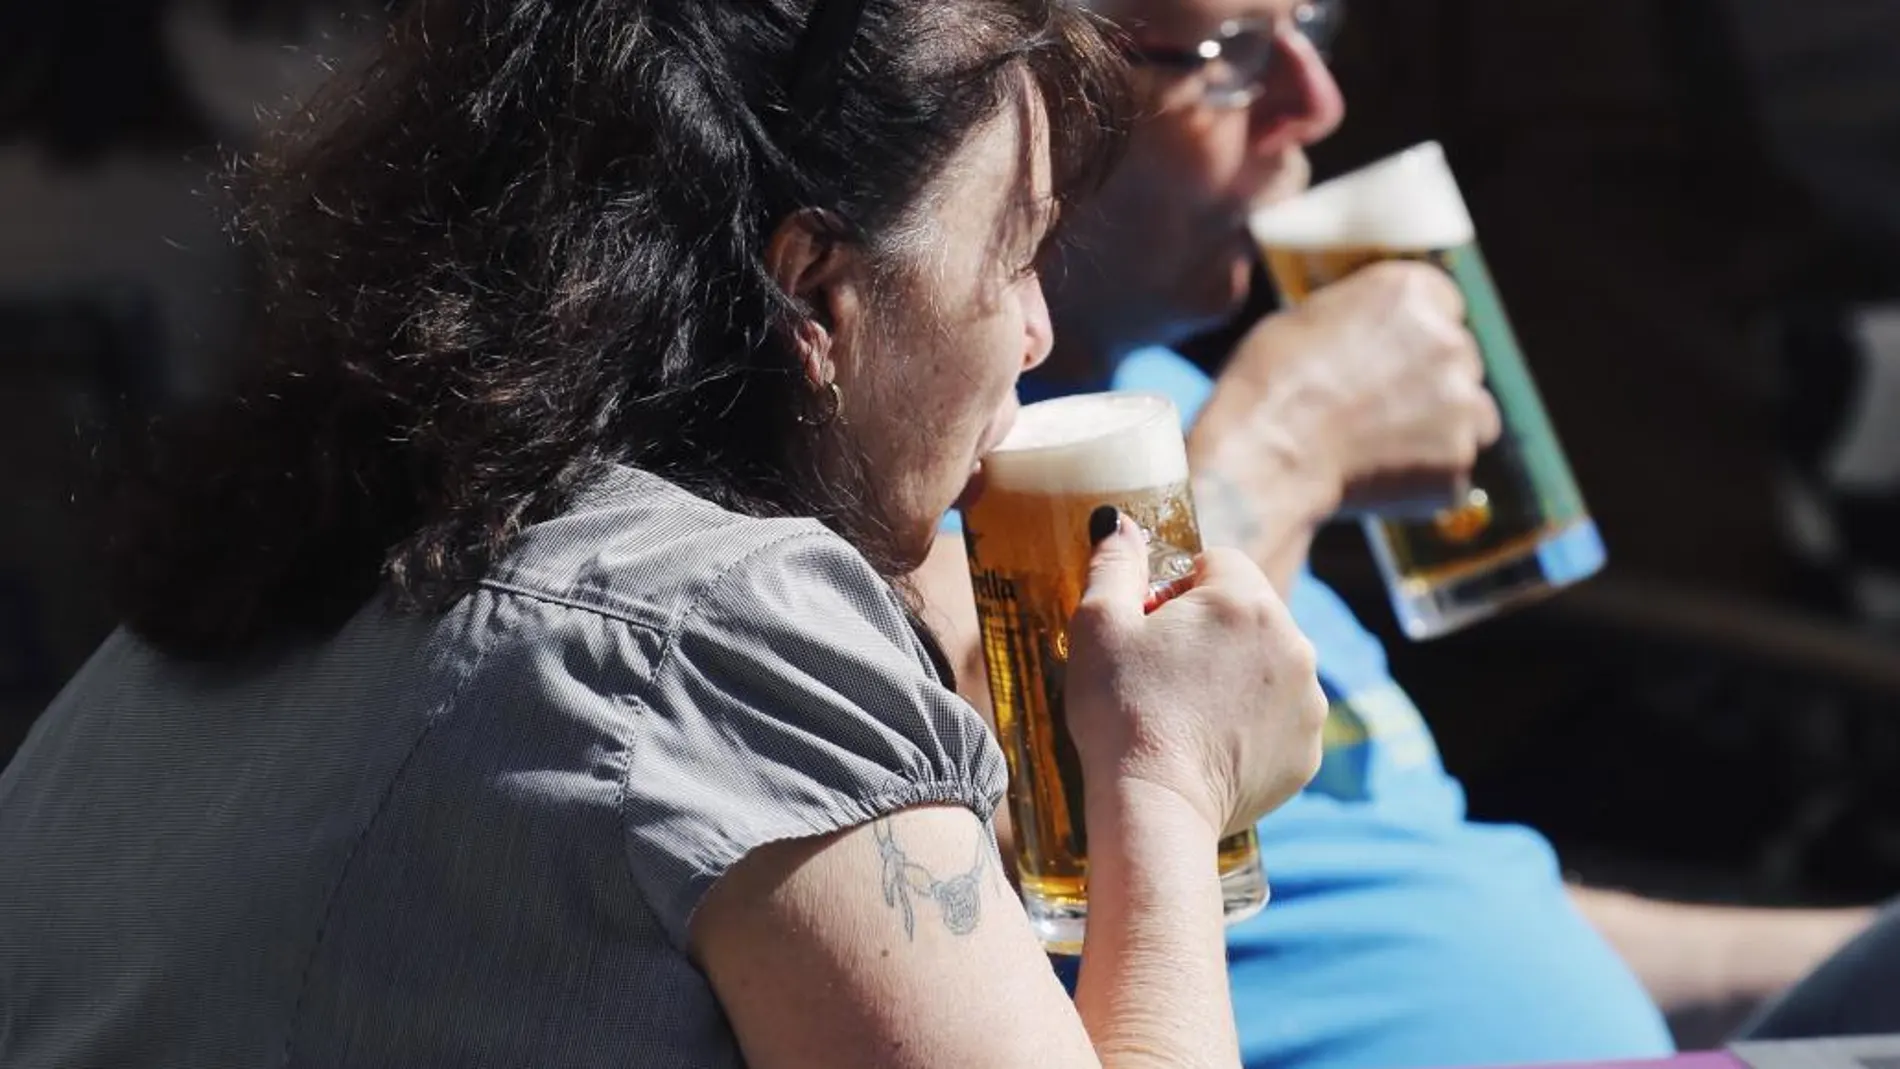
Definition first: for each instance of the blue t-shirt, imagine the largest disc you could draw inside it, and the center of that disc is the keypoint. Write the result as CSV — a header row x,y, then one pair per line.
x,y
1401,934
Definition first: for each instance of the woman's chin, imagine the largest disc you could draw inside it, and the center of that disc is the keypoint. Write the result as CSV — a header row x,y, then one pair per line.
x,y
914,547
917,534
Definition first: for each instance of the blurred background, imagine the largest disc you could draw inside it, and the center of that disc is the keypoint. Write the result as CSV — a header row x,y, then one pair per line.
x,y
1692,208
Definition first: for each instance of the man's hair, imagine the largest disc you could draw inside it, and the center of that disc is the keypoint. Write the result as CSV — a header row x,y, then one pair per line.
x,y
524,244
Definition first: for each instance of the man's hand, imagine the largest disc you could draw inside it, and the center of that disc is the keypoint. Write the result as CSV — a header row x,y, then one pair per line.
x,y
1368,398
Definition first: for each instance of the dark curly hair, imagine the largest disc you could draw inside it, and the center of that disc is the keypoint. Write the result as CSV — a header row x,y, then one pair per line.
x,y
525,243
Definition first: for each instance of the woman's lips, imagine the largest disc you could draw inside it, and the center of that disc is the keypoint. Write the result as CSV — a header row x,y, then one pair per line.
x,y
991,439
972,489
1000,429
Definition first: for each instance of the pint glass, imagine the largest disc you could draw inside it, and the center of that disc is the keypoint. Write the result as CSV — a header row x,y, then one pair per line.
x,y
1521,530
1026,535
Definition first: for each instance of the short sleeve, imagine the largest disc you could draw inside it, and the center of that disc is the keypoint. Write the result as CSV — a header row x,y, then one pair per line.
x,y
794,700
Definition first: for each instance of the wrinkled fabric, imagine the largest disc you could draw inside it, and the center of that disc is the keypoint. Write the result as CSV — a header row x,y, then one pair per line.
x,y
470,839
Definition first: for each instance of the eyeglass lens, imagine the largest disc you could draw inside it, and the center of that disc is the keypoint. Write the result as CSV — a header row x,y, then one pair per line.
x,y
1247,51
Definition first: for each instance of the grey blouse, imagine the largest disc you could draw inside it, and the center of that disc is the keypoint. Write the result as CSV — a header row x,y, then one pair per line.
x,y
472,839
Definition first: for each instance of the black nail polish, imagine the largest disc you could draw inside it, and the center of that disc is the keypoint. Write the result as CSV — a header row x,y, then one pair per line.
x,y
1103,522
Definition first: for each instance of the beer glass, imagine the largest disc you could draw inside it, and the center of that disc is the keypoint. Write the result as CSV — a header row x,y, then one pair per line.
x,y
1027,539
1521,530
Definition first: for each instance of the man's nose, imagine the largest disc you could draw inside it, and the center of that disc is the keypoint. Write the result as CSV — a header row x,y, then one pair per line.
x,y
1301,103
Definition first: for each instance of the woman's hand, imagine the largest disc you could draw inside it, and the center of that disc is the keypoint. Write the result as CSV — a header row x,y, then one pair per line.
x,y
1212,696
898,943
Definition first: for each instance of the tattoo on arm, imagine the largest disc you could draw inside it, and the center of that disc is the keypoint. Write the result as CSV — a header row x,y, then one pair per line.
x,y
1226,514
959,898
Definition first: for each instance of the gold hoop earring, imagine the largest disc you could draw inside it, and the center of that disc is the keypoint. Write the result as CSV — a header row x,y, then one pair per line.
x,y
828,414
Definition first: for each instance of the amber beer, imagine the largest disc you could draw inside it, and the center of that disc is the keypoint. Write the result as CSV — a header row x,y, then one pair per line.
x,y
1028,545
1522,530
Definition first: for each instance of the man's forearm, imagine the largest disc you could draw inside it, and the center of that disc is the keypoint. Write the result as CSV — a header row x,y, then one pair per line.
x,y
1278,537
1693,957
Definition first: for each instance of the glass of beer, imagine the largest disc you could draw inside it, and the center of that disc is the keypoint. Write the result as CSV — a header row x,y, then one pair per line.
x,y
1521,530
1026,535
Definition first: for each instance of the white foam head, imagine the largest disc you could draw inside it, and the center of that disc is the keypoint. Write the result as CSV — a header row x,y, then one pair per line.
x,y
1101,443
1405,202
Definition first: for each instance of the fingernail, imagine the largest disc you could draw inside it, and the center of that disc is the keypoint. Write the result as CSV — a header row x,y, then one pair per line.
x,y
1103,522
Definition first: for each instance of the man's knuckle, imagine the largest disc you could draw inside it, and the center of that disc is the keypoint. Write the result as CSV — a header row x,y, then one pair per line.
x,y
1303,660
1465,349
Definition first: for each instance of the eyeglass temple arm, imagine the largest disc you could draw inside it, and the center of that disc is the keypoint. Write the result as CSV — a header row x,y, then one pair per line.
x,y
1162,56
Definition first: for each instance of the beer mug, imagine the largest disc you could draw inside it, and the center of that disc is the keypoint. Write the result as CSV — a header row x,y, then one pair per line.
x,y
1026,535
1521,530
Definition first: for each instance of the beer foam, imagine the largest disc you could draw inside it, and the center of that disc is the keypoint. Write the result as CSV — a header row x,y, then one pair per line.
x,y
1406,202
1102,443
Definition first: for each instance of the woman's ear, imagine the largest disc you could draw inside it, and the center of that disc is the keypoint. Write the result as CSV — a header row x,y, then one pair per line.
x,y
822,271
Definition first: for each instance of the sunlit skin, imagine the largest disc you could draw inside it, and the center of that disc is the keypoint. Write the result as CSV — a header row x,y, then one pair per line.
x,y
1163,250
927,392
1305,420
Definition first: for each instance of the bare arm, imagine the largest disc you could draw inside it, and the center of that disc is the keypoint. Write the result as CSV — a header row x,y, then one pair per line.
x,y
1694,957
1170,971
1277,531
898,944
949,608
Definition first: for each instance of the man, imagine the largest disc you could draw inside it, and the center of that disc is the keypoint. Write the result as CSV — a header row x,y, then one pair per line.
x,y
1400,934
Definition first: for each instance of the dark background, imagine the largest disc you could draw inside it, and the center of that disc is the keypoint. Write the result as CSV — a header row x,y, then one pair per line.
x,y
1692,208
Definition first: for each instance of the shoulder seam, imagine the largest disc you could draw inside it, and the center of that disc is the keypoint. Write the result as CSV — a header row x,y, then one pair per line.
x,y
503,586
670,641
641,694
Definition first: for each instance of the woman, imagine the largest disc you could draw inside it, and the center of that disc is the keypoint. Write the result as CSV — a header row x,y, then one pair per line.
x,y
512,671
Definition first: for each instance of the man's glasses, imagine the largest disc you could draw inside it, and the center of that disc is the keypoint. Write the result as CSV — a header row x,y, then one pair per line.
x,y
1236,62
